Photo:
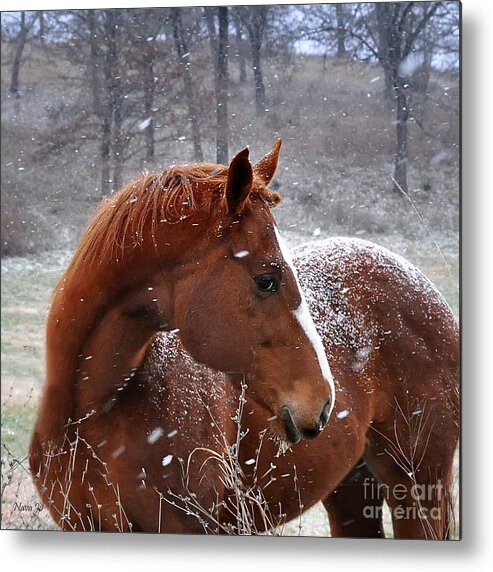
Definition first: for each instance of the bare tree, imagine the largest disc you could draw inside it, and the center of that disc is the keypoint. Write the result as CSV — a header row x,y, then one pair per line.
x,y
26,23
218,38
183,53
399,25
143,28
113,116
341,32
95,61
240,55
42,26
390,33
117,52
105,67
112,52
209,15
100,29
254,19
222,87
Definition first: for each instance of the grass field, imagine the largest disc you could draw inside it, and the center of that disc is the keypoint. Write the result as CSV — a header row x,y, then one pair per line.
x,y
26,288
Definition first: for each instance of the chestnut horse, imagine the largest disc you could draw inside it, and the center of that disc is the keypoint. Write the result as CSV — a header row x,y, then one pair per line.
x,y
186,348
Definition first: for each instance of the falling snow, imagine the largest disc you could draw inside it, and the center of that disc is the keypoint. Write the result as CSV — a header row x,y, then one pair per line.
x,y
144,124
155,435
166,460
241,254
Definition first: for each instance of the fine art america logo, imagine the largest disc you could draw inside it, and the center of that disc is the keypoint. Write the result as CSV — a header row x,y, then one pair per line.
x,y
416,498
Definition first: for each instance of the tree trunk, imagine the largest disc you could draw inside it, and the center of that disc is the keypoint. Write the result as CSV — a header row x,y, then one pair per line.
x,y
149,103
239,47
100,97
105,155
148,107
184,58
19,49
390,35
254,18
211,28
116,101
112,144
400,160
41,16
222,87
117,141
341,32
384,29
259,80
94,62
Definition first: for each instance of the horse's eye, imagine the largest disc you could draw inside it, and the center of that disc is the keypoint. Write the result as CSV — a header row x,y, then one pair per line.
x,y
267,284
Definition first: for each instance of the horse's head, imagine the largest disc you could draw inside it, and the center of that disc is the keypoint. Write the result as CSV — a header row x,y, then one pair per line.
x,y
239,306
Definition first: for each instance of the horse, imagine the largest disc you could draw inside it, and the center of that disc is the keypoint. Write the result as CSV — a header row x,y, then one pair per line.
x,y
188,385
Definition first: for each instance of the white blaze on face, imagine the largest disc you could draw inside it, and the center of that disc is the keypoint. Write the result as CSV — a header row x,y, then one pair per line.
x,y
304,318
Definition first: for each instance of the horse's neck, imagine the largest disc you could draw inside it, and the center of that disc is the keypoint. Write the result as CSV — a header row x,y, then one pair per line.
x,y
82,297
115,350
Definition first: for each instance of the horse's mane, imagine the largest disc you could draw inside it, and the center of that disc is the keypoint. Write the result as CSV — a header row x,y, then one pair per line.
x,y
169,196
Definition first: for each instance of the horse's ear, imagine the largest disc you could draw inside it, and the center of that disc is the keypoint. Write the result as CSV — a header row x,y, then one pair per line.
x,y
266,167
240,181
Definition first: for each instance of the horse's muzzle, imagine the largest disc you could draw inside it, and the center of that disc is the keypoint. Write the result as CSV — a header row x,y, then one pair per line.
x,y
294,432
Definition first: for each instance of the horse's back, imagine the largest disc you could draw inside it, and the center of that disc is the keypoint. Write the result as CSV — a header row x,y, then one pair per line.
x,y
391,338
381,315
358,290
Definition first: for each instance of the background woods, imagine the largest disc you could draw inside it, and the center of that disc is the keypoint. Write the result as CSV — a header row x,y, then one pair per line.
x,y
118,91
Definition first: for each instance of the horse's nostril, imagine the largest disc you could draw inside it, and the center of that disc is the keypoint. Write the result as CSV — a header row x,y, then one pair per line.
x,y
311,433
324,416
292,433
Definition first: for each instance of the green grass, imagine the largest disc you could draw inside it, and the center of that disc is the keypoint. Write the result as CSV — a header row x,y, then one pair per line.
x,y
17,423
26,288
